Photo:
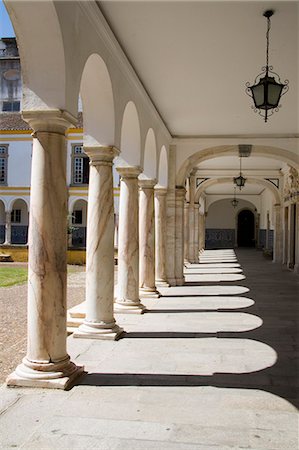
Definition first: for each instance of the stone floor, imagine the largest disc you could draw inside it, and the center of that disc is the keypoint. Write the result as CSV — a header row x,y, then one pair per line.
x,y
212,364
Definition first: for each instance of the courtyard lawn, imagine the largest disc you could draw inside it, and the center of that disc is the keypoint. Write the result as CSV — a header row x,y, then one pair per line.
x,y
10,276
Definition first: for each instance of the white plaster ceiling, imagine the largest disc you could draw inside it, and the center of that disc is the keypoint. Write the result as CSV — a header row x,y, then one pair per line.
x,y
194,59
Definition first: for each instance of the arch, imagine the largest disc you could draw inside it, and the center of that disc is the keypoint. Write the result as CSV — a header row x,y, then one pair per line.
x,y
98,103
259,181
163,168
80,204
42,56
12,204
150,155
130,141
232,150
73,201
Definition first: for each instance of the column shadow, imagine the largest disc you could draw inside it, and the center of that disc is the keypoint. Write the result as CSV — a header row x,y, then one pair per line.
x,y
275,292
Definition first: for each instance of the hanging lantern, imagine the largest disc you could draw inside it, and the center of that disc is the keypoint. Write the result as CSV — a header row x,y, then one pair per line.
x,y
240,180
268,89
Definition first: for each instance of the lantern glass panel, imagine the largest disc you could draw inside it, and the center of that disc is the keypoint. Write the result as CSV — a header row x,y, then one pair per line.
x,y
258,95
274,92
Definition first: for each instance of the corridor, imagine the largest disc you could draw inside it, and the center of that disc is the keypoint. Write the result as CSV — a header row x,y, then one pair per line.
x,y
211,364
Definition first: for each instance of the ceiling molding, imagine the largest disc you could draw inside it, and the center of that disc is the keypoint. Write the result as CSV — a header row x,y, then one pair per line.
x,y
262,173
198,139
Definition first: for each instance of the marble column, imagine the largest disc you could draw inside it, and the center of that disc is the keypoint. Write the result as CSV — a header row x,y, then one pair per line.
x,y
170,237
170,216
186,232
7,228
201,232
160,227
196,232
47,363
277,244
179,235
147,287
99,322
192,258
128,243
191,251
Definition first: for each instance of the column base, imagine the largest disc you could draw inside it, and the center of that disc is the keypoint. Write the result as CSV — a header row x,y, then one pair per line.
x,y
162,283
45,375
90,330
180,281
149,293
129,307
171,281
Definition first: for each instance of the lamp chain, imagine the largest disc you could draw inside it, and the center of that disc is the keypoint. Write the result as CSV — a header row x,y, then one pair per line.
x,y
267,37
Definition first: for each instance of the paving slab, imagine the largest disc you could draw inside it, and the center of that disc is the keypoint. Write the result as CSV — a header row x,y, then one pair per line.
x,y
208,366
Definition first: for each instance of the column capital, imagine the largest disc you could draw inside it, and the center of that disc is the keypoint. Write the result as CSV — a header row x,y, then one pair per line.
x,y
147,184
100,154
160,190
50,120
129,171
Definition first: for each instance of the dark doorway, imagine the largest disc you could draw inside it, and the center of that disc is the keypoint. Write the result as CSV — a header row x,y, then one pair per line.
x,y
246,229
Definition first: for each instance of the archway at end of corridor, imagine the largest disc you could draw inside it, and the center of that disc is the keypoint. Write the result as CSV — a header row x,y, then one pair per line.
x,y
246,228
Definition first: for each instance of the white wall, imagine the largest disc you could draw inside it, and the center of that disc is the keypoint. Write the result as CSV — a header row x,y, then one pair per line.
x,y
252,199
222,214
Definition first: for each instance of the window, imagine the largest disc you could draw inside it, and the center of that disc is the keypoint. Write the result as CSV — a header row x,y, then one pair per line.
x,y
11,106
16,216
77,217
3,163
80,165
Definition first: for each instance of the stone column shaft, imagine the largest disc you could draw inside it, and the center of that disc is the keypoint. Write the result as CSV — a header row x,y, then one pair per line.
x,y
196,233
170,237
179,235
160,226
147,287
128,243
192,257
277,247
99,322
191,251
186,232
7,228
47,363
201,232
